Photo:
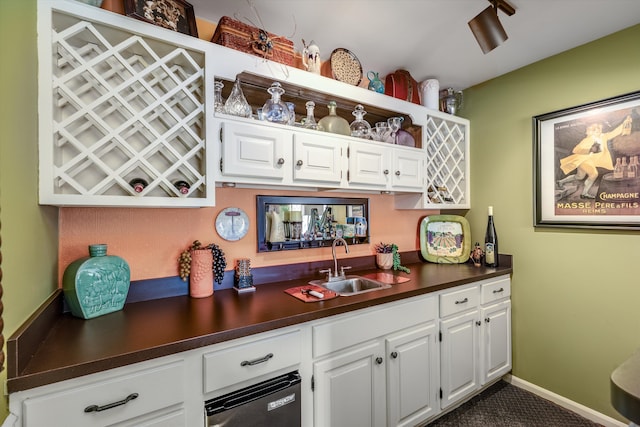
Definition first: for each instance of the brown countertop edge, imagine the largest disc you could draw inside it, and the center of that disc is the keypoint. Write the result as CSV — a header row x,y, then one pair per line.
x,y
53,346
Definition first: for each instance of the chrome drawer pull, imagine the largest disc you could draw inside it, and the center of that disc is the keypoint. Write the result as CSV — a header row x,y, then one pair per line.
x,y
462,301
96,408
256,361
496,291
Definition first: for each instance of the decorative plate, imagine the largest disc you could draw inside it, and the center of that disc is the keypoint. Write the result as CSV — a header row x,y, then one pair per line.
x,y
345,66
232,224
445,239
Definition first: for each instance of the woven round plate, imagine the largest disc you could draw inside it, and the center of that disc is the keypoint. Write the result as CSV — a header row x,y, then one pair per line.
x,y
346,67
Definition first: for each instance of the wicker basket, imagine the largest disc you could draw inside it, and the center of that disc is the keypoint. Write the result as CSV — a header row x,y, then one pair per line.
x,y
246,38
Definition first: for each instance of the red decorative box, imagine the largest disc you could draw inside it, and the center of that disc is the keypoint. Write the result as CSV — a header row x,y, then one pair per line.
x,y
246,38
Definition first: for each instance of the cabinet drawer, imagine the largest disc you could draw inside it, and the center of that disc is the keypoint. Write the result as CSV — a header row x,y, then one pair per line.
x,y
156,388
352,329
458,301
251,360
496,290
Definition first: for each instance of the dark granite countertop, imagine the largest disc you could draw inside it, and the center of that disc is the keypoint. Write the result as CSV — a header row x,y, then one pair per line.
x,y
53,346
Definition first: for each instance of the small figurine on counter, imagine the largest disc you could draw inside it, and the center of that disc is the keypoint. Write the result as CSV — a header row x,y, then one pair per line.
x,y
243,277
311,57
476,255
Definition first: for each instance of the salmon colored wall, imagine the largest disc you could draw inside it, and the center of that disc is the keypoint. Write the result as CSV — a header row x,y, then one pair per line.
x,y
151,240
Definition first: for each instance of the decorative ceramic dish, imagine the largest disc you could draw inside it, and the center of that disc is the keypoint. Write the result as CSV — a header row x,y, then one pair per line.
x,y
232,224
445,239
345,66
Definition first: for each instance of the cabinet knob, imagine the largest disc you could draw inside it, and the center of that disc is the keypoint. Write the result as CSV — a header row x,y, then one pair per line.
x,y
299,163
394,354
379,360
397,173
478,323
386,172
488,319
281,161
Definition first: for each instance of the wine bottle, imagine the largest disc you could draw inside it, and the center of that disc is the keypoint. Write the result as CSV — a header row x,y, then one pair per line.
x,y
138,184
491,242
182,186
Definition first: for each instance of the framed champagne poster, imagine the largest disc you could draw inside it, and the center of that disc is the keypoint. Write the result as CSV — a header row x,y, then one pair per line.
x,y
586,162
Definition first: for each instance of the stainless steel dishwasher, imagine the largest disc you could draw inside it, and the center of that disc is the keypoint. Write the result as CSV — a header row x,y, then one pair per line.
x,y
274,402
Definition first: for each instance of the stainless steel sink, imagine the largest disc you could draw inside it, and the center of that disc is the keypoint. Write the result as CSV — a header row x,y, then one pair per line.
x,y
351,285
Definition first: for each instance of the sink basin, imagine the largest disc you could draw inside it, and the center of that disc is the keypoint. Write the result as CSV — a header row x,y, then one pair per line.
x,y
351,285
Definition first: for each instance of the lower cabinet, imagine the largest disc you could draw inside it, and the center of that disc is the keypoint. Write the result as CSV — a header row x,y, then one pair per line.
x,y
377,368
475,340
396,364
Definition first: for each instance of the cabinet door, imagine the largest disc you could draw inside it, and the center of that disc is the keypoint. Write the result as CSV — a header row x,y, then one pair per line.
x,y
349,388
412,375
369,165
459,358
254,151
496,341
408,169
316,159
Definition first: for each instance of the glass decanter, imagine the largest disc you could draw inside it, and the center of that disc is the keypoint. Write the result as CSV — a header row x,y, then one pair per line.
x,y
237,104
359,127
218,102
310,120
395,123
334,123
275,110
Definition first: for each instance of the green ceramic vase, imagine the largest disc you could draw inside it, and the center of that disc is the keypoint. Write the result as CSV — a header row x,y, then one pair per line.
x,y
96,285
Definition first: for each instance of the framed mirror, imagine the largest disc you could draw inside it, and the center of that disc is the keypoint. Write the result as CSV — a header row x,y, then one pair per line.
x,y
288,222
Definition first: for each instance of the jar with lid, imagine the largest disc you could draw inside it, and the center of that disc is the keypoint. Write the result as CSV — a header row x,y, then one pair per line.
x,y
334,123
275,110
360,128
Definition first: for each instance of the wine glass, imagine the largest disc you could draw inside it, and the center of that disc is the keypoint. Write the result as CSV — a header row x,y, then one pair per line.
x,y
395,123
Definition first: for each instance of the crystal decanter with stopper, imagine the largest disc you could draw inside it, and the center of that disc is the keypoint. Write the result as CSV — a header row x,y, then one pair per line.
x,y
310,120
334,123
218,102
237,104
275,110
360,128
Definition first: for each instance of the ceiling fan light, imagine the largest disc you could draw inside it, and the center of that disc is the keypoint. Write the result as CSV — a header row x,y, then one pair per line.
x,y
488,30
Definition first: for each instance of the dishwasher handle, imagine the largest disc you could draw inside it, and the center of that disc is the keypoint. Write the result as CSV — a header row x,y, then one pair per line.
x,y
248,394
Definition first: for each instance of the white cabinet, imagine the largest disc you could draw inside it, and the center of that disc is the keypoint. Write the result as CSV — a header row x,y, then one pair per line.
x,y
153,395
317,158
459,353
120,100
412,375
349,387
383,167
495,358
377,367
475,347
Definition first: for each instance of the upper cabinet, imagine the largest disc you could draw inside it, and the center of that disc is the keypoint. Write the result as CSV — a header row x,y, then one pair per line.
x,y
125,102
121,103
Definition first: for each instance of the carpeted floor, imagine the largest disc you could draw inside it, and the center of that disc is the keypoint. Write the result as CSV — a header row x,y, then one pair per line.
x,y
505,405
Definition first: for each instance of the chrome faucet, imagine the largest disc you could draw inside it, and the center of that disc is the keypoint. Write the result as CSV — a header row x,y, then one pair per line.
x,y
337,275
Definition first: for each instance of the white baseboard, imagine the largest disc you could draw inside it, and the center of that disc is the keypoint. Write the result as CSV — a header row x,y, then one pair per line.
x,y
570,405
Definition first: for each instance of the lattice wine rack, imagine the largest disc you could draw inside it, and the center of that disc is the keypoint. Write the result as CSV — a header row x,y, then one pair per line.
x,y
447,169
123,107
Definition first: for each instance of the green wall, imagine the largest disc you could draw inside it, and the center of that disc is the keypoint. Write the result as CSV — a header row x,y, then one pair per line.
x,y
575,292
29,232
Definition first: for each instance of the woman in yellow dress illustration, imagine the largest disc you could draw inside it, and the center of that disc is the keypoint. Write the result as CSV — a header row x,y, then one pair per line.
x,y
588,155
